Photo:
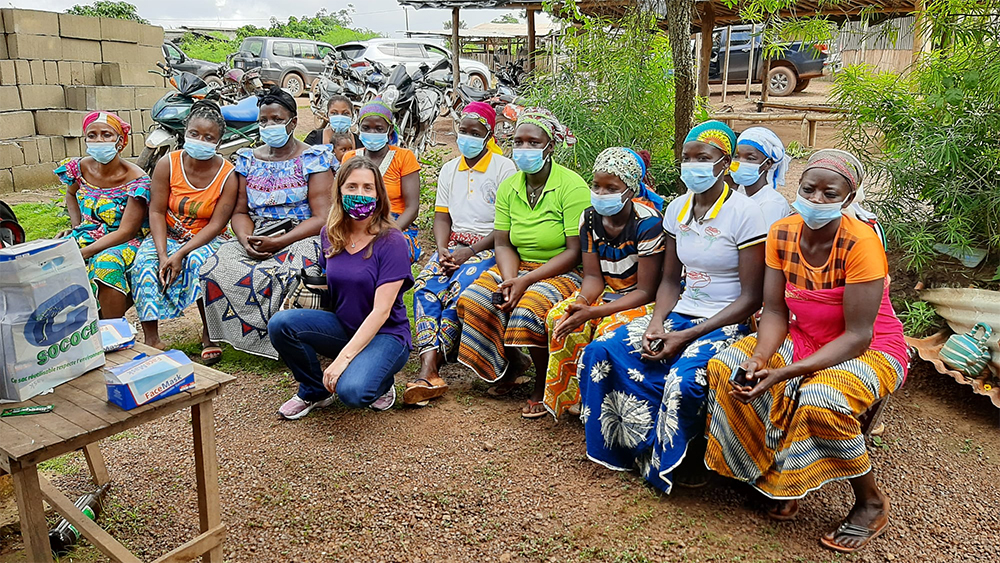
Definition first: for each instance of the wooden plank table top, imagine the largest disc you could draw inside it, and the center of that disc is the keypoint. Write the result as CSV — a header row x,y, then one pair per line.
x,y
83,414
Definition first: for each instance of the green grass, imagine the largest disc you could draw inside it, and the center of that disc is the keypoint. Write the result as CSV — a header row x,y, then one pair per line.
x,y
62,465
41,220
235,361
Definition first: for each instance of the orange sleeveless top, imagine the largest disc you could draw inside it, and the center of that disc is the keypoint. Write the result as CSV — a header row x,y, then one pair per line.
x,y
189,209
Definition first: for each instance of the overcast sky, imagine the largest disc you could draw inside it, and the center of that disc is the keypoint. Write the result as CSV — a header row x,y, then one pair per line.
x,y
383,16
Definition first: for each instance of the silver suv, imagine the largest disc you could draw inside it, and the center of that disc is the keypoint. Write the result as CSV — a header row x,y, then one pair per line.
x,y
289,63
391,52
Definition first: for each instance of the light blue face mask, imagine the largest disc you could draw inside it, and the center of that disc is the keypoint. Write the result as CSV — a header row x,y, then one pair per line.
x,y
103,152
374,141
340,123
817,215
275,135
199,150
699,176
470,146
609,204
529,161
747,174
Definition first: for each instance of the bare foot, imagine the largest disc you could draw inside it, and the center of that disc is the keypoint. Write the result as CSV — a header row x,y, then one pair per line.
x,y
872,514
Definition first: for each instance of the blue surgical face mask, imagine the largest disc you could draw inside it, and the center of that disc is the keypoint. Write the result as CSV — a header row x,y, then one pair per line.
x,y
199,150
609,204
470,146
275,135
699,176
529,161
374,141
817,215
340,123
103,152
747,174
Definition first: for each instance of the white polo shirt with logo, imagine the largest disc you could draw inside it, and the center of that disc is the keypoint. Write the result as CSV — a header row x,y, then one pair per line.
x,y
469,195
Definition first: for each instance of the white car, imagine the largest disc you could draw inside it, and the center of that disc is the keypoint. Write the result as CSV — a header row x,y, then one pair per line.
x,y
391,52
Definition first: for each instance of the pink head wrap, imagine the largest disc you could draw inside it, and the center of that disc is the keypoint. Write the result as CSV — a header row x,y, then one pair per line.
x,y
118,124
483,112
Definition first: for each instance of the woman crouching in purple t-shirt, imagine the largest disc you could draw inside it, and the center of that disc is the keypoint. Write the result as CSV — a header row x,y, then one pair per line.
x,y
367,332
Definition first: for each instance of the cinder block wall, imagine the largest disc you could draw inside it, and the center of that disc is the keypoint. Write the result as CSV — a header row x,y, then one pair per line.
x,y
54,69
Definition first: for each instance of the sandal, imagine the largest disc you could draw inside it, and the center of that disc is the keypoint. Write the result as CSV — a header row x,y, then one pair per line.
x,y
423,390
775,512
211,354
847,529
532,412
502,389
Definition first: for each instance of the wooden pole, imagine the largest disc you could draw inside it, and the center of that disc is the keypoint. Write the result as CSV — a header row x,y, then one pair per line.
x,y
753,43
765,68
531,39
725,66
705,58
918,31
456,49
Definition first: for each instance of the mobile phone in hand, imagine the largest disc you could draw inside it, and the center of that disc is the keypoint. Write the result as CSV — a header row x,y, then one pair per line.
x,y
656,346
498,298
740,378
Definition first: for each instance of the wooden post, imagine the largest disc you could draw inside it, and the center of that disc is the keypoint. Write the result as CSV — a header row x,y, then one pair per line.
x,y
765,68
456,49
750,61
705,58
34,530
206,471
918,31
725,65
531,39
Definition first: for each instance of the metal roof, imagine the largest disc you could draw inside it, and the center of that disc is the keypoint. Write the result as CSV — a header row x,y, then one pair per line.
x,y
491,30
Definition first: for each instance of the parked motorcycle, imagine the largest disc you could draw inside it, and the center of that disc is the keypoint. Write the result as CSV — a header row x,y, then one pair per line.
x,y
357,81
416,102
238,83
510,76
171,111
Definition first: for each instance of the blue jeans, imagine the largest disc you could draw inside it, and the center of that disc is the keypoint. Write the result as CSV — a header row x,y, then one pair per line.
x,y
298,333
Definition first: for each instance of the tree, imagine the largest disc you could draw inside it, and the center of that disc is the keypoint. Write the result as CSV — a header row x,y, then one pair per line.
x,y
506,18
678,14
108,9
461,24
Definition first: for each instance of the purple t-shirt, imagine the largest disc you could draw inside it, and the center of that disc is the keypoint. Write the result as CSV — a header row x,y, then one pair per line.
x,y
353,280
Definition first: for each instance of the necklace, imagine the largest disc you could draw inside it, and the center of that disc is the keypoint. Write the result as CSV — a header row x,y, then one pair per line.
x,y
534,194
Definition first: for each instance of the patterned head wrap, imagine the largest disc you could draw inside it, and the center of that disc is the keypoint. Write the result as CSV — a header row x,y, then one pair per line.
x,y
547,121
482,112
715,133
841,162
624,164
118,124
377,108
764,140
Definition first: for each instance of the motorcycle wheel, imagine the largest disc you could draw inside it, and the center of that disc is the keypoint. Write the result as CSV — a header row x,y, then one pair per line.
x,y
148,158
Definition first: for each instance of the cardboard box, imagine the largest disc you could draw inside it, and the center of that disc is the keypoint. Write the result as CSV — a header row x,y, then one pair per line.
x,y
30,22
60,122
116,334
41,96
79,27
10,98
81,50
34,47
8,73
14,124
149,378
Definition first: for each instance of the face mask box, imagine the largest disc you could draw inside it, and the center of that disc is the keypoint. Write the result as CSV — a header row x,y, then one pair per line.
x,y
48,318
149,378
116,334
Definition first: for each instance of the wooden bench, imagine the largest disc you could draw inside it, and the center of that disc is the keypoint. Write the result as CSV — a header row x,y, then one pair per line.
x,y
809,121
82,417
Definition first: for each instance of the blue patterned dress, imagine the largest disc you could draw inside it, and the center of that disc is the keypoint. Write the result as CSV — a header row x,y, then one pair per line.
x,y
243,293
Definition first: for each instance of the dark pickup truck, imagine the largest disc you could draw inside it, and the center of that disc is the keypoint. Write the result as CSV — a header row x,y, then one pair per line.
x,y
791,70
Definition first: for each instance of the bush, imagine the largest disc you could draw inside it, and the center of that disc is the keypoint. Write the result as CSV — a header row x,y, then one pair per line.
x,y
613,87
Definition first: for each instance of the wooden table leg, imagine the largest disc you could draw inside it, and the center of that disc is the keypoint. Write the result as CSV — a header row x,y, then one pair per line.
x,y
206,466
29,506
95,460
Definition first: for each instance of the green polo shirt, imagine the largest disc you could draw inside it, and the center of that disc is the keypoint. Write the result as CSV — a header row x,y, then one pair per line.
x,y
540,234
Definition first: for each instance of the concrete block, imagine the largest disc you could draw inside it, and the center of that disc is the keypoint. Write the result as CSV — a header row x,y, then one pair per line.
x,y
37,71
34,47
52,73
44,149
139,75
8,73
30,22
79,27
151,35
147,119
22,70
29,177
29,146
149,56
81,50
65,72
61,122
58,148
125,31
42,96
93,98
73,145
89,73
10,98
146,96
118,52
14,124
3,48
6,182
109,74
11,154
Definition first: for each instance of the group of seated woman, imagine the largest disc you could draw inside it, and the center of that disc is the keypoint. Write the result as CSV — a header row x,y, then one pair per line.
x,y
648,342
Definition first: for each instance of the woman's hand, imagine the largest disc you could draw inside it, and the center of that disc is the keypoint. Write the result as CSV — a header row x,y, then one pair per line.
x,y
170,269
673,343
759,378
513,290
87,253
265,245
445,260
576,315
252,252
461,254
332,374
64,233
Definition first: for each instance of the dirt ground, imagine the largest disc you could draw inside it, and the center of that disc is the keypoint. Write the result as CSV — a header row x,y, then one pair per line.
x,y
467,479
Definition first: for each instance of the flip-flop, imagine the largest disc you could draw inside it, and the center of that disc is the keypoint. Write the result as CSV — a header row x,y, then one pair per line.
x,y
533,414
211,355
501,390
417,393
775,515
854,531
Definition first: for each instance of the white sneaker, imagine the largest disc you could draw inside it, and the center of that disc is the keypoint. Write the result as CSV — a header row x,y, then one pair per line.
x,y
295,408
386,401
